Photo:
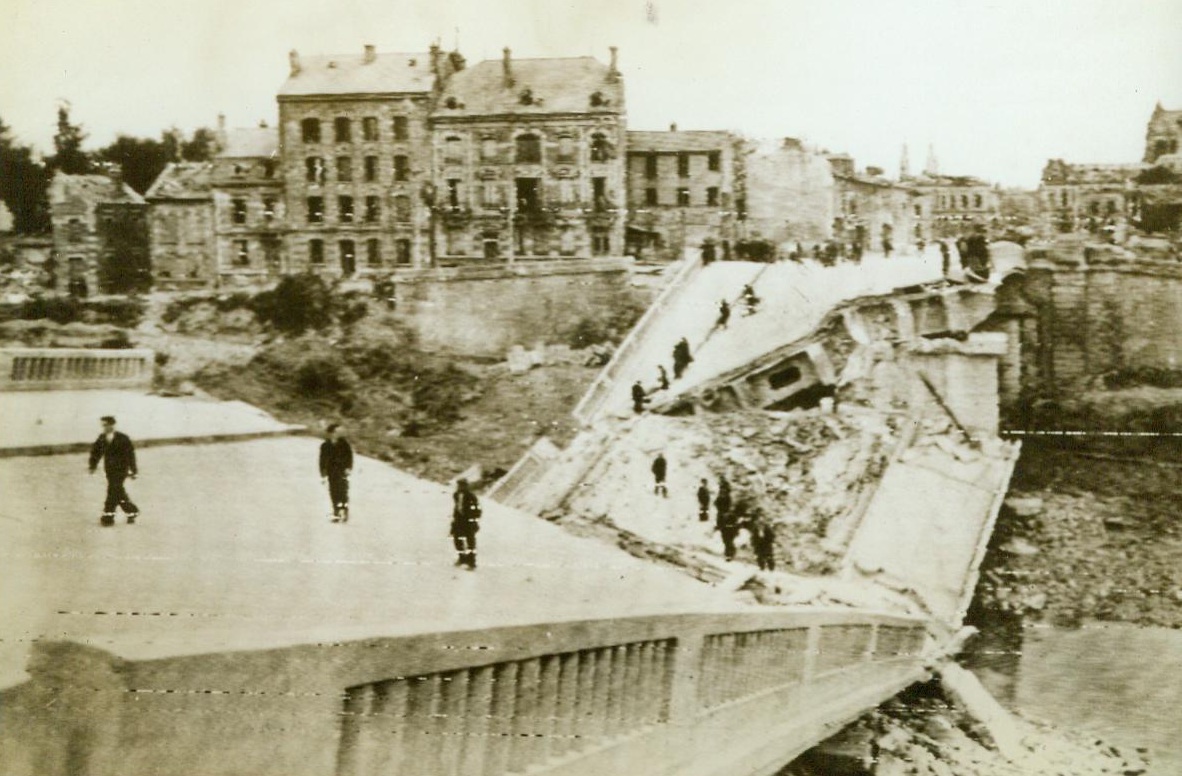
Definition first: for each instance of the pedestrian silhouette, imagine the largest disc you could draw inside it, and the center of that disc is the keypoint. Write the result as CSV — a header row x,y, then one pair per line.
x,y
660,467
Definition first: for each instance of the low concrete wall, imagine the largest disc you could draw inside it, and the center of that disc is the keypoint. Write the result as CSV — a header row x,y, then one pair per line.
x,y
41,369
484,311
664,694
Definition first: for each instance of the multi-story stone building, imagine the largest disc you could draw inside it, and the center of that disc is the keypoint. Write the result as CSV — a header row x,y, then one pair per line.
x,y
180,226
529,161
100,233
949,205
248,205
788,194
355,153
1092,197
681,191
1163,135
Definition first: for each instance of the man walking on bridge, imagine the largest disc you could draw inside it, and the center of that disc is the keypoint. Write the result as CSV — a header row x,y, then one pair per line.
x,y
465,522
681,357
336,464
118,456
660,468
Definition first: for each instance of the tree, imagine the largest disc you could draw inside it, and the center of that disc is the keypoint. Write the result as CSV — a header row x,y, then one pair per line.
x,y
201,147
69,156
142,159
23,185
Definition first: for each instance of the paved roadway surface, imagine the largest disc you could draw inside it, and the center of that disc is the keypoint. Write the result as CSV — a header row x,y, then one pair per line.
x,y
235,550
795,297
56,418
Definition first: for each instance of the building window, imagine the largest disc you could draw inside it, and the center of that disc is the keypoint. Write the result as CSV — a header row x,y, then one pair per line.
x,y
683,197
373,253
316,251
599,193
600,152
314,169
529,197
529,149
714,161
402,251
268,168
348,256
369,128
315,210
566,148
269,204
373,209
650,196
683,164
964,201
453,192
453,151
400,128
371,169
402,208
650,166
344,168
342,130
239,211
977,200
488,147
345,209
310,130
401,167
918,210
601,243
712,196
241,253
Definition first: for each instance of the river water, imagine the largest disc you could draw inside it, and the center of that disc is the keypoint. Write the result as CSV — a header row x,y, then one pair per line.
x,y
1122,683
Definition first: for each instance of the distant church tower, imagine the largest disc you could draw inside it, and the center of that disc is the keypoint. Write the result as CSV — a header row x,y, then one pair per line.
x,y
904,165
932,167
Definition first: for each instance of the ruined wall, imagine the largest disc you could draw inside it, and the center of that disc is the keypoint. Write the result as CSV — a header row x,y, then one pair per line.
x,y
485,312
1099,312
790,194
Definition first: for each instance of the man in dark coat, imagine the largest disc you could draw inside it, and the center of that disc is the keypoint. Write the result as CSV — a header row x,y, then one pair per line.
x,y
118,457
703,502
465,522
639,398
725,522
660,467
662,378
336,464
763,541
681,357
724,313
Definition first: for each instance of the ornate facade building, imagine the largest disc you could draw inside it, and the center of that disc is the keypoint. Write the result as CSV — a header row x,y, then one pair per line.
x,y
355,153
528,161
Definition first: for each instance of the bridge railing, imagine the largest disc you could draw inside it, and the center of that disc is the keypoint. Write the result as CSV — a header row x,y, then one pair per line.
x,y
40,369
668,694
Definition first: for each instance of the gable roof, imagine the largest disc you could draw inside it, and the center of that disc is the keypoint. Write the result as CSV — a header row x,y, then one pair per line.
x,y
251,142
562,85
182,180
671,142
91,190
389,73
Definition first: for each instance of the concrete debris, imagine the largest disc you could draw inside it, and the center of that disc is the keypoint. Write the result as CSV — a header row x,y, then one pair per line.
x,y
1018,546
1025,507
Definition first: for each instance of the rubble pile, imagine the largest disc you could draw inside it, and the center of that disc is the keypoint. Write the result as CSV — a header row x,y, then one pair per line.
x,y
803,470
927,736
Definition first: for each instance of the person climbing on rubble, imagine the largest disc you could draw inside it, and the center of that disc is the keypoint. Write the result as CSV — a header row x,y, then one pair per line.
x,y
724,314
662,377
703,502
660,469
945,258
724,520
763,541
681,358
639,397
750,300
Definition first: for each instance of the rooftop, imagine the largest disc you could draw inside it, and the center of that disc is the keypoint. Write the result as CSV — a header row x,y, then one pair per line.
x,y
537,87
91,188
675,141
181,180
359,73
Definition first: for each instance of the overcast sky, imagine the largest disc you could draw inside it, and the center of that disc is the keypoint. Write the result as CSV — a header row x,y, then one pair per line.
x,y
997,86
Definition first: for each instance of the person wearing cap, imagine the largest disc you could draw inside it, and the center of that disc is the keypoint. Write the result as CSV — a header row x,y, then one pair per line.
x,y
465,522
336,464
117,453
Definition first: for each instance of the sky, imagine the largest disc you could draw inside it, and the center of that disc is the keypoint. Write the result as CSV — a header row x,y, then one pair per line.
x,y
996,87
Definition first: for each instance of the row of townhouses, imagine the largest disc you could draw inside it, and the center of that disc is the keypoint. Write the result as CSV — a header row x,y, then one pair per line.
x,y
383,162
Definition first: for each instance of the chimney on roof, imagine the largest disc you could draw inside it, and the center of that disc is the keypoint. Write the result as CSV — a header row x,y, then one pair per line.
x,y
613,70
262,123
115,173
507,66
293,59
221,133
673,127
371,54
